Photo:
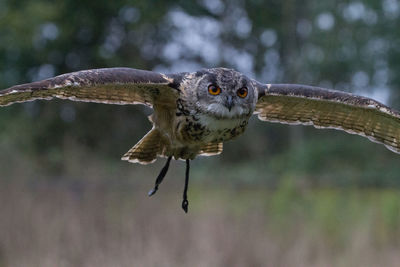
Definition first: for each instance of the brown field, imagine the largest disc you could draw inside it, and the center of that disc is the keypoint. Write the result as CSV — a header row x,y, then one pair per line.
x,y
100,215
101,224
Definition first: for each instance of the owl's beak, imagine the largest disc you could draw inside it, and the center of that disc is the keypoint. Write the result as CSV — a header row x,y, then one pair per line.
x,y
229,103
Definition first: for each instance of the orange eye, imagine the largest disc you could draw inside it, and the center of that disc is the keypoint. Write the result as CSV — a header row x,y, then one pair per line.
x,y
242,92
214,90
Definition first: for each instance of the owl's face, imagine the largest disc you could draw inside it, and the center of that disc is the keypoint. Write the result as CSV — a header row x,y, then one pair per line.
x,y
225,93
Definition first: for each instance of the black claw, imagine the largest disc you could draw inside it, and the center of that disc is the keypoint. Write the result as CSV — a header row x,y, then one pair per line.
x,y
185,204
152,191
160,177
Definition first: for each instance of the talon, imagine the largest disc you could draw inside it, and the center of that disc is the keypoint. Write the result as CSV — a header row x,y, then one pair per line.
x,y
185,204
152,192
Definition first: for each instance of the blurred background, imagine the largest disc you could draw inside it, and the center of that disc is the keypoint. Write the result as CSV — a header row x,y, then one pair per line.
x,y
278,196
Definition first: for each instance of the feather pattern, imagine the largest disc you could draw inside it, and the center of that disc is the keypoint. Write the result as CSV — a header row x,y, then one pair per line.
x,y
108,86
323,108
211,149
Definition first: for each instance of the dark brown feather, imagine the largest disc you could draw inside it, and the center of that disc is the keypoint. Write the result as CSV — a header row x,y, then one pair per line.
x,y
147,149
211,149
322,108
109,86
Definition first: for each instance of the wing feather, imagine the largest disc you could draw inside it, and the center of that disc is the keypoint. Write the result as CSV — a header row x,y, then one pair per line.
x,y
110,86
323,108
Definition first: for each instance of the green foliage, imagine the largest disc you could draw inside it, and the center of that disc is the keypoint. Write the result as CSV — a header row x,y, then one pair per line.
x,y
339,44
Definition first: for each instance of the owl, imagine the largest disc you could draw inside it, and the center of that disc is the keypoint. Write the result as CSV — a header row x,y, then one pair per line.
x,y
194,113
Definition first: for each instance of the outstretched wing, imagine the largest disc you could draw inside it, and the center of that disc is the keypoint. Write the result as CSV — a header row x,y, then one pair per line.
x,y
109,86
322,108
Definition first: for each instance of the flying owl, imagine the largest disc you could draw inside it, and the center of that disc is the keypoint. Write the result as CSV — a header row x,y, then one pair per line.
x,y
194,113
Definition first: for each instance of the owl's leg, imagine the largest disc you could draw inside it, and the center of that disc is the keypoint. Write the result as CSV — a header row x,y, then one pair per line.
x,y
185,202
160,177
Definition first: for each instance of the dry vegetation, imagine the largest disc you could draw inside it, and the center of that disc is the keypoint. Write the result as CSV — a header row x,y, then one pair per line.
x,y
100,215
65,224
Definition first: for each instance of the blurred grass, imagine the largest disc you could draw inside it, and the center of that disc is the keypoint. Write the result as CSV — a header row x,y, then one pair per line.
x,y
105,224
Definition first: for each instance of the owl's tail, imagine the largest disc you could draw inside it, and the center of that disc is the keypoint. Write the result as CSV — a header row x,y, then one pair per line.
x,y
147,149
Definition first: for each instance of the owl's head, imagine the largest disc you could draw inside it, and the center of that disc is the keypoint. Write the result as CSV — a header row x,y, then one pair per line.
x,y
224,93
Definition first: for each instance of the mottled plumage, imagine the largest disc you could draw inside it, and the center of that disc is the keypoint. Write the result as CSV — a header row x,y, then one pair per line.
x,y
194,113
